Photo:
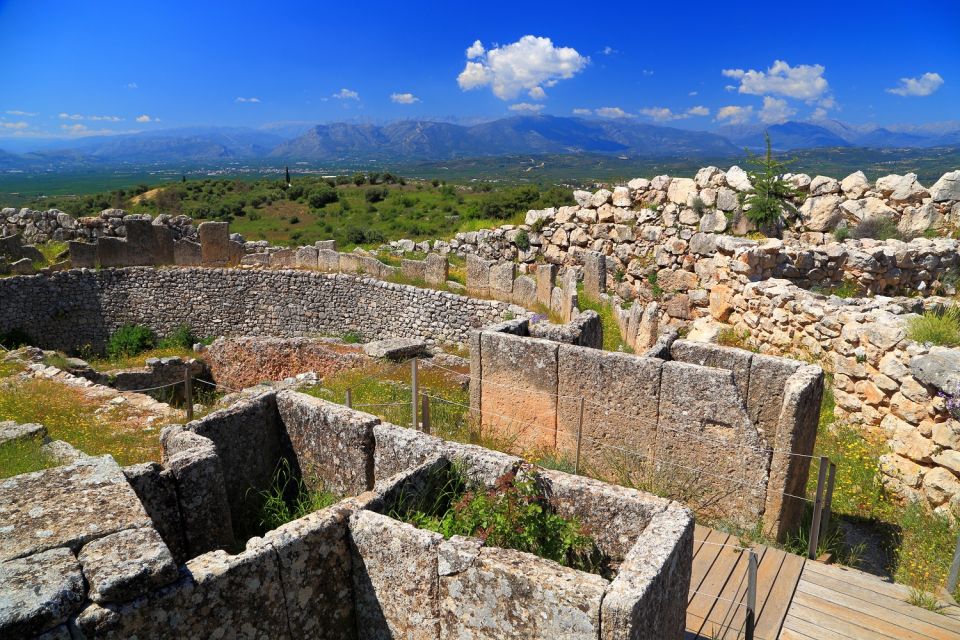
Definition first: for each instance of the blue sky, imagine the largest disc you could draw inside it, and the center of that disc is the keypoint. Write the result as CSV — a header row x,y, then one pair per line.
x,y
79,68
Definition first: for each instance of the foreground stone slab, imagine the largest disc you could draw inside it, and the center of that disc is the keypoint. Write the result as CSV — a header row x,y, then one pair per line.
x,y
127,564
395,348
13,432
38,592
510,594
66,507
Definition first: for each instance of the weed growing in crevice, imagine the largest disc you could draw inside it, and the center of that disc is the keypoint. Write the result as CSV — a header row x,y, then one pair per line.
x,y
288,498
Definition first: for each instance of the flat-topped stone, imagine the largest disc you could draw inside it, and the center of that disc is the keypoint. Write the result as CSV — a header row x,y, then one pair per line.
x,y
395,348
66,506
38,592
127,564
12,432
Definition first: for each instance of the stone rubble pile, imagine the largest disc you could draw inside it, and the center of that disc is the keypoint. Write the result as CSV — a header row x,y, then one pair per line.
x,y
45,226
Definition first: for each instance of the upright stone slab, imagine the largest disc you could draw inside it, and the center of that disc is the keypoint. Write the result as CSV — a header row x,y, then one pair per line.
x,y
326,245
112,252
328,260
163,245
524,292
502,275
594,274
187,253
282,259
157,490
141,243
83,255
546,278
215,249
478,275
349,263
307,258
413,269
437,269
126,565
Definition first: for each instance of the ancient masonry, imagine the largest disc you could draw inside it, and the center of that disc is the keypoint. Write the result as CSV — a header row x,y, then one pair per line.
x,y
96,551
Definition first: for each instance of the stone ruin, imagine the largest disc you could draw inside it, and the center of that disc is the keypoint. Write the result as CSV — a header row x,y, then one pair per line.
x,y
92,550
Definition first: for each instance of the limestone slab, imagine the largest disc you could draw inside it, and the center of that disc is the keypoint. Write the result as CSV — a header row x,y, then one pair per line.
x,y
38,592
127,564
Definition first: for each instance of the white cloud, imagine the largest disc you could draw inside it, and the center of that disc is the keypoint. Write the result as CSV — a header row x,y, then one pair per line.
x,y
818,114
14,125
803,82
537,93
346,94
404,98
239,99
663,114
693,93
608,51
528,64
583,112
776,110
612,112
734,114
17,112
146,118
920,86
729,87
74,128
132,85
475,50
526,107
77,116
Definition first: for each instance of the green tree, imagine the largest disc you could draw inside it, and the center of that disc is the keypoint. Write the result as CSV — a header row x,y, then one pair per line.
x,y
359,179
771,195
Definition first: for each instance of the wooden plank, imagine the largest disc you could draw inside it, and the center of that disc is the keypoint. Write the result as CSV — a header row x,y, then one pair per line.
x,y
861,579
700,533
736,616
790,634
896,606
704,596
826,625
705,559
777,603
872,615
805,629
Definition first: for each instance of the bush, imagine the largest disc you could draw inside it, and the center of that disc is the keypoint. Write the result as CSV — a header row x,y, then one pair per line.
x,y
876,228
130,340
939,326
376,194
522,240
182,337
323,195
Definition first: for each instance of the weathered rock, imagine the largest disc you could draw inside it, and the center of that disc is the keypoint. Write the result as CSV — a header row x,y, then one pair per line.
x,y
681,190
821,213
66,506
583,198
397,349
901,188
738,180
13,432
127,564
939,368
38,592
823,185
855,185
947,187
601,197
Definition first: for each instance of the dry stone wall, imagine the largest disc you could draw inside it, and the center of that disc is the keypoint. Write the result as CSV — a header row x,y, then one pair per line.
x,y
70,309
53,224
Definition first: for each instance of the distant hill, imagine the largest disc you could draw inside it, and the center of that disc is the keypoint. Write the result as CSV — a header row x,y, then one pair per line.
x,y
345,144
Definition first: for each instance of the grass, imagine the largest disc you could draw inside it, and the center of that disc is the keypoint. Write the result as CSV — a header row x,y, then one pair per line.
x,y
23,456
52,250
939,326
106,363
70,416
846,289
289,498
730,337
612,340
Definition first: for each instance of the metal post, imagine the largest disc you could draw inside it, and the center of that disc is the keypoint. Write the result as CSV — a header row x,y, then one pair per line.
x,y
188,392
350,398
817,510
414,392
425,412
954,570
751,594
576,464
828,501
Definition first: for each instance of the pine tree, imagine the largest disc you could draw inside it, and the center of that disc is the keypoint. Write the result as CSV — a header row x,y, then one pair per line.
x,y
287,171
771,195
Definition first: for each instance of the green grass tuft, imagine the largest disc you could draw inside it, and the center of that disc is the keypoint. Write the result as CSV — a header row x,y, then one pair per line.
x,y
939,326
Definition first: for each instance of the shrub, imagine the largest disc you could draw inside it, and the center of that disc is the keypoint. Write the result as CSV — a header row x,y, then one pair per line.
x,y
288,498
130,340
841,233
771,194
522,240
939,325
376,194
352,337
182,337
699,206
876,228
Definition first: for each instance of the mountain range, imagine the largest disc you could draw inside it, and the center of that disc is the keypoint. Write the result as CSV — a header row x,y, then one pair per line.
x,y
421,140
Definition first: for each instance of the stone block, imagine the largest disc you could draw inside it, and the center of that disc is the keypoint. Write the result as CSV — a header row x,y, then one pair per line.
x,y
83,255
127,564
215,249
502,275
711,355
39,592
478,275
349,263
620,408
545,599
201,490
399,449
187,253
260,259
333,444
315,569
524,292
768,376
594,274
156,488
518,389
112,252
282,259
306,258
13,432
326,245
437,269
546,278
66,506
398,349
394,578
328,260
414,269
162,244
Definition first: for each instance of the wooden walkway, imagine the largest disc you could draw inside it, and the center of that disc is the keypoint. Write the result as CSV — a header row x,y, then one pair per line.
x,y
799,599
